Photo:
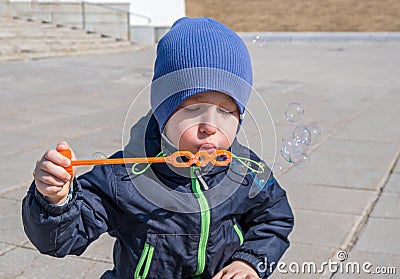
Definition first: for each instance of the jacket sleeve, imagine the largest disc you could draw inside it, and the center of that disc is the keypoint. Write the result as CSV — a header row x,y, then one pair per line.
x,y
68,229
266,228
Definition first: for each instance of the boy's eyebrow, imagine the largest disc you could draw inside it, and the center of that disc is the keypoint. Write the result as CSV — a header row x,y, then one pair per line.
x,y
228,100
226,104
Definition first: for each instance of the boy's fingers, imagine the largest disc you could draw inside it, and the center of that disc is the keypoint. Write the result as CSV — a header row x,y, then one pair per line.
x,y
55,170
57,158
62,145
219,274
49,179
48,190
227,274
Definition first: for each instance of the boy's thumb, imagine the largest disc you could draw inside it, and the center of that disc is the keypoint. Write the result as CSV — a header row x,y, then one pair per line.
x,y
62,145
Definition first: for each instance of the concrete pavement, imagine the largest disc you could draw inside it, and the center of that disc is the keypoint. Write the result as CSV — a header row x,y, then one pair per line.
x,y
345,198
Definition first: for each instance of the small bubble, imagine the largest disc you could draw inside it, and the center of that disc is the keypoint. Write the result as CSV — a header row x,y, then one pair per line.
x,y
315,132
294,151
300,152
286,150
294,112
302,134
98,156
255,39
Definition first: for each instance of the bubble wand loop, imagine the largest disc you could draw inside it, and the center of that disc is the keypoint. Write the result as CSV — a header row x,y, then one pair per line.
x,y
201,158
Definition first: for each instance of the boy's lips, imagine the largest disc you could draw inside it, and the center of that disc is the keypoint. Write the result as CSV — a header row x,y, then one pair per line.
x,y
209,147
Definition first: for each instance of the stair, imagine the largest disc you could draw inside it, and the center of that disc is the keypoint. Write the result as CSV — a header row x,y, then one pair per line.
x,y
26,39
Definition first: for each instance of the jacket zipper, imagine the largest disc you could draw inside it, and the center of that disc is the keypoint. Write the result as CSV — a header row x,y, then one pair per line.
x,y
145,258
239,233
205,220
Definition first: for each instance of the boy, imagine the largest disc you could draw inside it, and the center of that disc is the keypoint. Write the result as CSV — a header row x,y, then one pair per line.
x,y
215,222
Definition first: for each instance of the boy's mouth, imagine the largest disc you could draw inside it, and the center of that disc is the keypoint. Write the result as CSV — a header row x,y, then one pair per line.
x,y
209,147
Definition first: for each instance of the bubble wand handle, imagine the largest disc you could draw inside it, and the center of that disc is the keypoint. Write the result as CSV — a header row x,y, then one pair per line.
x,y
201,158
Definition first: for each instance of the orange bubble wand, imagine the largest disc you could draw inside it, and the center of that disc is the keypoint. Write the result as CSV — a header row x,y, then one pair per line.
x,y
201,158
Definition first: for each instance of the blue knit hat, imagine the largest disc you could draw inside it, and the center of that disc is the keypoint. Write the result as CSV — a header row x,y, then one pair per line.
x,y
198,55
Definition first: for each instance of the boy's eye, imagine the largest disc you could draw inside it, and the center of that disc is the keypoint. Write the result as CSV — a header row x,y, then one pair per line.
x,y
191,108
225,111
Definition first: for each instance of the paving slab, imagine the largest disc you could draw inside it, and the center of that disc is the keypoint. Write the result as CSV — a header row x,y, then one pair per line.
x,y
370,125
300,255
10,179
393,185
328,199
388,206
25,116
397,168
22,158
105,140
380,236
11,230
322,172
26,263
101,249
371,153
322,228
5,247
17,193
12,141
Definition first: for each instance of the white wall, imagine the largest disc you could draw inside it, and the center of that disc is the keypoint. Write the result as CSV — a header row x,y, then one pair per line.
x,y
144,12
161,12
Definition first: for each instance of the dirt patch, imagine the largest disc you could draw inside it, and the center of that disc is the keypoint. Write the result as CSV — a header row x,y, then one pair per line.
x,y
304,15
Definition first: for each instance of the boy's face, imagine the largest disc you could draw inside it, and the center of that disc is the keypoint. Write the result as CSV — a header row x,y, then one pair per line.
x,y
206,121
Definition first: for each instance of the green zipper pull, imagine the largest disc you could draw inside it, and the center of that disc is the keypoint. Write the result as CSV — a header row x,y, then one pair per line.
x,y
146,258
239,233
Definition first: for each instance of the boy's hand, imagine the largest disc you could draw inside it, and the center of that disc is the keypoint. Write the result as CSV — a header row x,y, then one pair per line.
x,y
237,270
51,179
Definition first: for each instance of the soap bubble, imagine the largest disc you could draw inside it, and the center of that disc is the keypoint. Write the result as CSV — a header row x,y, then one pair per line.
x,y
294,112
296,143
315,132
98,156
294,151
255,39
301,133
286,150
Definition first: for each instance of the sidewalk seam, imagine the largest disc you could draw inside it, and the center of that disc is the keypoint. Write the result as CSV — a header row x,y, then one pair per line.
x,y
353,235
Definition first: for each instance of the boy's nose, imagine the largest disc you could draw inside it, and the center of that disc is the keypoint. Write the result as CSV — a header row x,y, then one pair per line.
x,y
207,128
208,123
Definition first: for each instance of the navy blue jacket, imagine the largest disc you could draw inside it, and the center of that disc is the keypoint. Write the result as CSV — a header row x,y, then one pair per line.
x,y
167,222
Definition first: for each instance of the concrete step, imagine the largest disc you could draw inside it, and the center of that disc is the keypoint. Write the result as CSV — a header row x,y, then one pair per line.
x,y
23,40
54,54
29,47
34,34
15,40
